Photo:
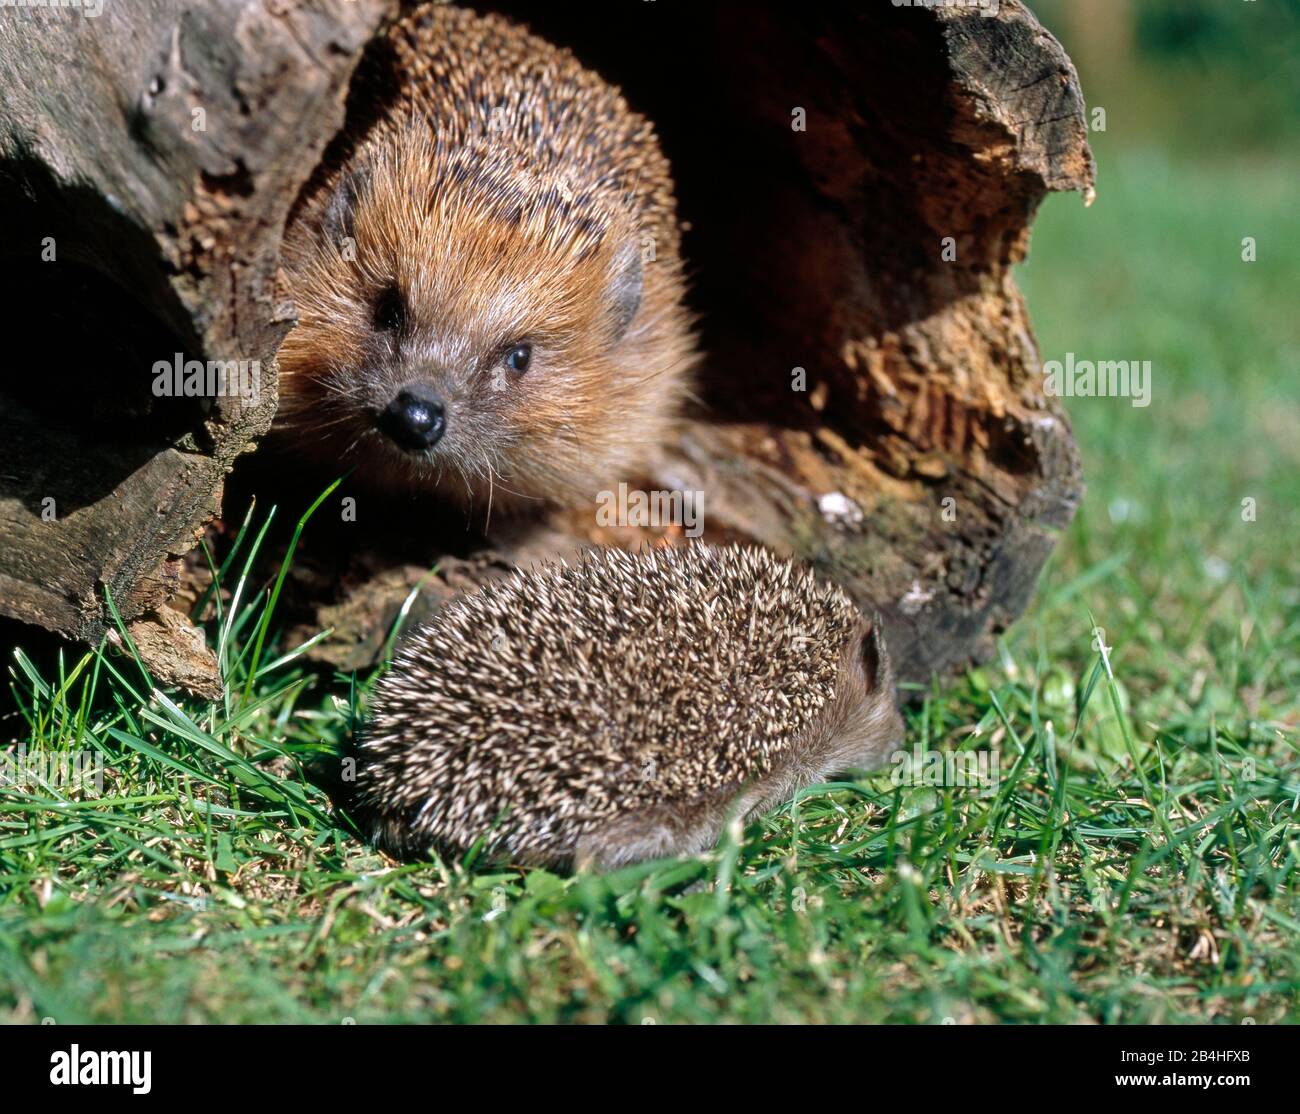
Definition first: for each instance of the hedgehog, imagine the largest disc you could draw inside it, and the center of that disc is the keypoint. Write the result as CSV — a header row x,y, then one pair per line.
x,y
487,274
621,708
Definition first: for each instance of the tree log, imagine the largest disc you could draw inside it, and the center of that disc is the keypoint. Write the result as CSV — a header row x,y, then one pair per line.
x,y
857,184
148,160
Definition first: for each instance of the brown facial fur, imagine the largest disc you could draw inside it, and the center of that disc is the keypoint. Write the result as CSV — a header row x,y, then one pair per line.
x,y
507,197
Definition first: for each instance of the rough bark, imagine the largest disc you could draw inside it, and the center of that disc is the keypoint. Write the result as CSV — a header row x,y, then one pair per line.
x,y
922,467
148,158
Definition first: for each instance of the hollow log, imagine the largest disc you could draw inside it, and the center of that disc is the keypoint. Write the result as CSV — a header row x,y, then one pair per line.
x,y
857,181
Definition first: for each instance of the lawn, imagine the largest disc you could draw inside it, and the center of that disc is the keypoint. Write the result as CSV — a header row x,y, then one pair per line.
x,y
1139,860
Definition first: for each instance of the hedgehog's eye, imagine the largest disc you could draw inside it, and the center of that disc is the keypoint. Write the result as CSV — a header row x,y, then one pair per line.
x,y
519,357
390,310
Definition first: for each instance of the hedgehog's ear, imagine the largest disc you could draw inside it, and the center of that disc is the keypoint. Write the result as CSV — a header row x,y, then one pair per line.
x,y
875,657
626,280
339,219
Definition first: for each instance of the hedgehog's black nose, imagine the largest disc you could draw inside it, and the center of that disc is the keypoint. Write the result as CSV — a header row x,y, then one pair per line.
x,y
414,419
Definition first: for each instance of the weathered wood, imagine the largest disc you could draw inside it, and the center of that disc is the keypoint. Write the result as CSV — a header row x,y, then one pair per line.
x,y
922,467
148,159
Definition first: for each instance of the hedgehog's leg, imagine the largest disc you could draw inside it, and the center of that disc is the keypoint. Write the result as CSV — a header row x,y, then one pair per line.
x,y
660,832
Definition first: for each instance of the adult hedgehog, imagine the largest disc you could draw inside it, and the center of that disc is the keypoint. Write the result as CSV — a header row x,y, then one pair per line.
x,y
488,282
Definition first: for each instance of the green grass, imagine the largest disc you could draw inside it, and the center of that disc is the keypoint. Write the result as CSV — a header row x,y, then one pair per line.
x,y
1137,863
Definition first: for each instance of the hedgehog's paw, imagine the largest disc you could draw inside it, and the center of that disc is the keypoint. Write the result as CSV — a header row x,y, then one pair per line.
x,y
662,832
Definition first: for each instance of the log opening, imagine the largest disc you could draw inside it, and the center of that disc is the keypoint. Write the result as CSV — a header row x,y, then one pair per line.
x,y
922,467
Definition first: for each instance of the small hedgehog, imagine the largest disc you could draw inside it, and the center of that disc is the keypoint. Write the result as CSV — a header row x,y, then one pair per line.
x,y
621,709
488,277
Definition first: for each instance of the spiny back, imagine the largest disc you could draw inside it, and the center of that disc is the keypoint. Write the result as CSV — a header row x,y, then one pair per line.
x,y
492,90
572,694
